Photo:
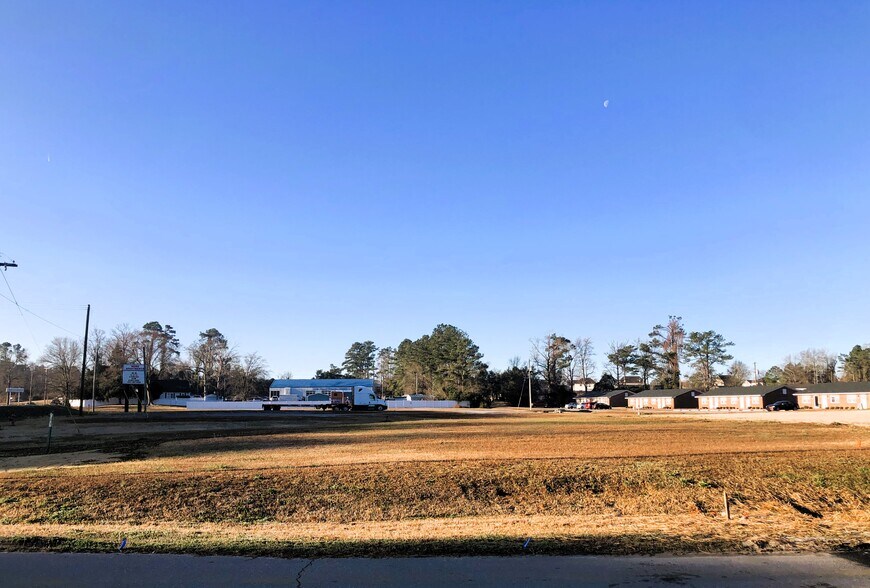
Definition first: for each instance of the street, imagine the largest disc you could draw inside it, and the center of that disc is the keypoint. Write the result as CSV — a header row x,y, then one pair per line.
x,y
133,570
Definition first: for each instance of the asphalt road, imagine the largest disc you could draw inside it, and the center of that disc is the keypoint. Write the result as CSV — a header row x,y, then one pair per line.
x,y
133,570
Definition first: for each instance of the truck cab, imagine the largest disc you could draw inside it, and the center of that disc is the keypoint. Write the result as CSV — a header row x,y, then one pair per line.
x,y
365,398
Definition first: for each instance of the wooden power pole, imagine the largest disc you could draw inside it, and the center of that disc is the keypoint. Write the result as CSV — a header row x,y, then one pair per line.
x,y
84,364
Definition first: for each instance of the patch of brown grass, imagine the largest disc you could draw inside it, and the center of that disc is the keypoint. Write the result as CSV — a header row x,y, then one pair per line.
x,y
617,479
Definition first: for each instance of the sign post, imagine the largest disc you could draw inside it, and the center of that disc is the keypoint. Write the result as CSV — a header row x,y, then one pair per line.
x,y
17,392
134,375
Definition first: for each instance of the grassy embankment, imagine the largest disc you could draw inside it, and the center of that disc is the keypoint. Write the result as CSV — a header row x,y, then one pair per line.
x,y
574,483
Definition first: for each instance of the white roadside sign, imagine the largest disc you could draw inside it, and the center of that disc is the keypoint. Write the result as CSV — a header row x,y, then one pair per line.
x,y
16,392
134,373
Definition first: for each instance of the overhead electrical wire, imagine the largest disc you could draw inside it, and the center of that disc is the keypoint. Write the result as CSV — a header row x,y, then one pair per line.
x,y
24,318
14,301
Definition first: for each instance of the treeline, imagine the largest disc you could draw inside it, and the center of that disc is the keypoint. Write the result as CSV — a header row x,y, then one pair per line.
x,y
448,364
208,365
444,364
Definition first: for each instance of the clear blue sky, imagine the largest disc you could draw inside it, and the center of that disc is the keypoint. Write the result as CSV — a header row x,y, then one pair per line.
x,y
305,175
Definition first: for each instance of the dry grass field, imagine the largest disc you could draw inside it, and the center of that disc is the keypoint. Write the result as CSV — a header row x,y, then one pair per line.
x,y
439,483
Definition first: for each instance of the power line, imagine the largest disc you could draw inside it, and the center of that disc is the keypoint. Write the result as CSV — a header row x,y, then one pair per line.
x,y
24,318
14,301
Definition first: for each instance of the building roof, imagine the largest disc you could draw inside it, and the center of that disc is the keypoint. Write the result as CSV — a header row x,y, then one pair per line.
x,y
745,390
837,388
344,383
672,393
606,393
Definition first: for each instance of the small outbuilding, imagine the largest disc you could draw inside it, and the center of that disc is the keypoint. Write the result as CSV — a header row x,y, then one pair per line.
x,y
745,397
674,398
612,398
835,395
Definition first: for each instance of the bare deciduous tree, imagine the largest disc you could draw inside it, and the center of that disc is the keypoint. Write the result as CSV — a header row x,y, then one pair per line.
x,y
253,367
584,352
63,355
738,372
667,342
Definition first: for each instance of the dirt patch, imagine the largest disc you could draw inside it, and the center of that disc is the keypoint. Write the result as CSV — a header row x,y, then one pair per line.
x,y
823,482
859,418
575,483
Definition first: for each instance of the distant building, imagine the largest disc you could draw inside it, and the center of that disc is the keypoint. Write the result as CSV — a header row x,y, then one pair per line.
x,y
612,398
418,397
630,381
681,398
300,389
835,395
744,397
583,385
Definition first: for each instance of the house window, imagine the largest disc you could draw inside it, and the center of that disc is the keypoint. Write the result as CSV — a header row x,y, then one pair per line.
x,y
852,398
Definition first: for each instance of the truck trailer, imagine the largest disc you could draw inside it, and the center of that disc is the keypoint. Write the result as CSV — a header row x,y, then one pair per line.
x,y
336,395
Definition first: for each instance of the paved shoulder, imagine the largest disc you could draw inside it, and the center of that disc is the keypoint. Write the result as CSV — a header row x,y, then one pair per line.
x,y
132,570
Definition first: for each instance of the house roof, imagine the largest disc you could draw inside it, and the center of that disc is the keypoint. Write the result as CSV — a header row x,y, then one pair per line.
x,y
605,393
745,390
836,387
672,393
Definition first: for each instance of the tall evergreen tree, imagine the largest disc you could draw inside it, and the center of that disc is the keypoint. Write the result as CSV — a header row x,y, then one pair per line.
x,y
359,361
706,350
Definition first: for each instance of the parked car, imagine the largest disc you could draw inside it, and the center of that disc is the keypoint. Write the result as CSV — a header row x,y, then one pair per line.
x,y
571,406
600,406
782,405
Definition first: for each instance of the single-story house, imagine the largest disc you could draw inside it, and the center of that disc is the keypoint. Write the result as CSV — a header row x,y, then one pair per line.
x,y
835,395
613,398
679,398
743,397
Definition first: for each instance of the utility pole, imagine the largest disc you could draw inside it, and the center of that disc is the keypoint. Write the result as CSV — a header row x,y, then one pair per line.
x,y
6,265
145,385
94,384
530,383
755,365
84,364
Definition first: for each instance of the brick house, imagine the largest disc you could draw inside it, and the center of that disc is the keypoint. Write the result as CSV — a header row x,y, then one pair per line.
x,y
612,398
743,397
835,395
680,398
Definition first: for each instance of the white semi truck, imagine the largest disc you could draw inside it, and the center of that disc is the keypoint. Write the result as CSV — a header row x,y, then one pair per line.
x,y
337,395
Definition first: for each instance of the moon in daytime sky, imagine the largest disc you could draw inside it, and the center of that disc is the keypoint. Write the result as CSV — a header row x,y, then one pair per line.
x,y
606,103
